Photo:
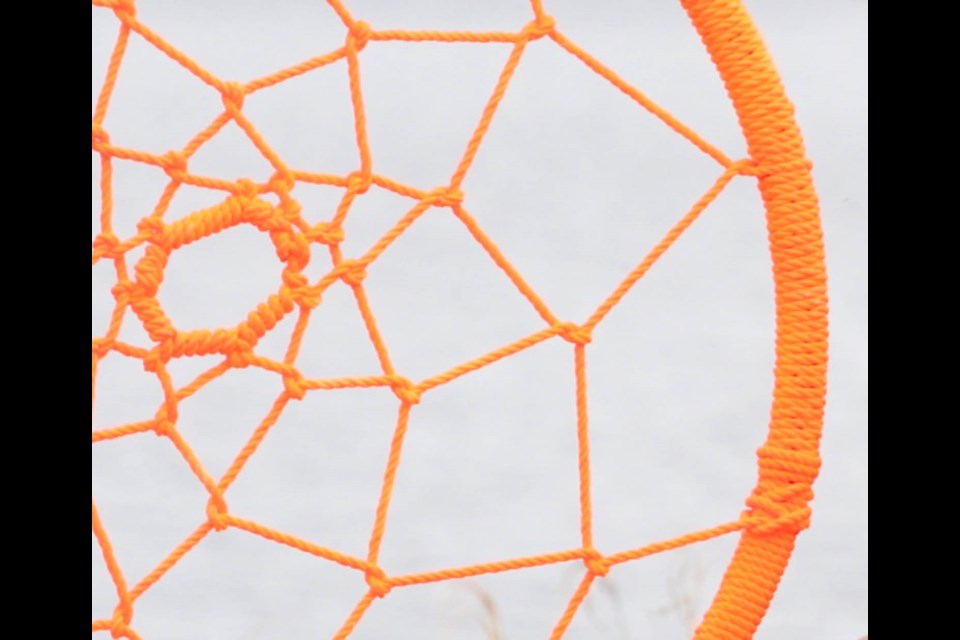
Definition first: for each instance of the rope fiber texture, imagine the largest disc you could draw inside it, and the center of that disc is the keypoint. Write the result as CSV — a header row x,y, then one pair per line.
x,y
777,509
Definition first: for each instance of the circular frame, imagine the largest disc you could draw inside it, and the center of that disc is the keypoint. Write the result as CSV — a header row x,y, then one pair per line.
x,y
789,460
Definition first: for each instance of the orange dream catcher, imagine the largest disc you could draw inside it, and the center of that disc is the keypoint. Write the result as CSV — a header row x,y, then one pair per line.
x,y
315,263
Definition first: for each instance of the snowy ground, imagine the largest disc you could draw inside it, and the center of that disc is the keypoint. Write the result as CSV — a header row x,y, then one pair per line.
x,y
575,183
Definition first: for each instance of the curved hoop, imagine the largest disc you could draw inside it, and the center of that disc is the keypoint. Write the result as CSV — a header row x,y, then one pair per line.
x,y
789,460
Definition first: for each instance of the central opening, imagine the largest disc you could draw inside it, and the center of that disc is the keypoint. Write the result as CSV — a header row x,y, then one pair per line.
x,y
217,281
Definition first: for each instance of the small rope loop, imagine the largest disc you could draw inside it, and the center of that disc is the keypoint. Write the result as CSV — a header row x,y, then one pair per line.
x,y
359,182
573,333
536,29
359,34
233,94
217,512
174,164
444,197
325,233
406,391
351,272
595,563
377,581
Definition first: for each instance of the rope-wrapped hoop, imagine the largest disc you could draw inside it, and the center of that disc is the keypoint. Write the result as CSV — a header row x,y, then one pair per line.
x,y
789,460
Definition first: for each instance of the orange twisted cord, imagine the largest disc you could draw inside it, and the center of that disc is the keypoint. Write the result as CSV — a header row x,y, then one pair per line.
x,y
788,462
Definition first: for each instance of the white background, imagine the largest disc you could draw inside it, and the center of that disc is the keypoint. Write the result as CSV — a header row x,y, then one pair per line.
x,y
575,183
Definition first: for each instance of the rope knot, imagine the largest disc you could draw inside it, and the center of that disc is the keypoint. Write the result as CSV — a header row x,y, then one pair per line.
x,y
120,621
538,28
780,509
240,358
325,233
359,182
406,391
377,581
293,248
573,333
106,244
101,347
122,291
153,361
217,512
293,384
351,272
123,613
232,95
359,34
246,188
124,6
765,520
305,295
290,208
174,164
595,563
294,280
100,136
281,182
260,214
119,630
444,197
151,227
163,427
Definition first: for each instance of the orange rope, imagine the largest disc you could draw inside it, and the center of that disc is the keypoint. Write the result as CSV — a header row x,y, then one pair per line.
x,y
788,461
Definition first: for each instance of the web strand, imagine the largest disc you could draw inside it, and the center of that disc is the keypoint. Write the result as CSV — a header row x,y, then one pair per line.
x,y
135,293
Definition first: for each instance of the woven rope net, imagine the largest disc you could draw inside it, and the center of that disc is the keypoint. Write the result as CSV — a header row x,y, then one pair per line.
x,y
777,509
